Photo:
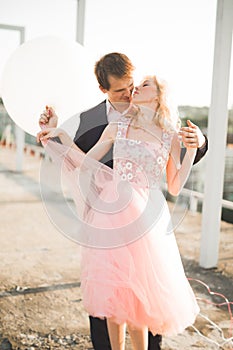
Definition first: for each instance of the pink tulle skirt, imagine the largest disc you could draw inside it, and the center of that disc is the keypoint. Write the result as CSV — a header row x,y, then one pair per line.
x,y
142,282
131,267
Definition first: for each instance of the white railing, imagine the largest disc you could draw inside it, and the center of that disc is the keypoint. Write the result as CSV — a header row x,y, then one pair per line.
x,y
194,196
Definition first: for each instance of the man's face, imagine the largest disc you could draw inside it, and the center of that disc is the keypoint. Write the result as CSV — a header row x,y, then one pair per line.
x,y
120,89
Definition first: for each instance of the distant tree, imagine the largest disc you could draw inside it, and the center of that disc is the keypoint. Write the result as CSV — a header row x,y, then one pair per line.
x,y
198,115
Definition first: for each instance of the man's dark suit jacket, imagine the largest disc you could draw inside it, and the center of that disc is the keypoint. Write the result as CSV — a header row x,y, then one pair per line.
x,y
92,124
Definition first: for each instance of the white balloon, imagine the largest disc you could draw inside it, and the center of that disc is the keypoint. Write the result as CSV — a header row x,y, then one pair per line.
x,y
47,71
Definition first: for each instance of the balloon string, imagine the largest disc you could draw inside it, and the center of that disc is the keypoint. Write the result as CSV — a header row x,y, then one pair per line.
x,y
226,302
211,340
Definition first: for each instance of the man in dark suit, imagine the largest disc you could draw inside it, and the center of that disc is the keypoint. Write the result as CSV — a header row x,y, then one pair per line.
x,y
114,73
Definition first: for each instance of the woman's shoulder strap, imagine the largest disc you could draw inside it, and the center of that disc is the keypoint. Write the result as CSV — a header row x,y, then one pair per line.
x,y
122,127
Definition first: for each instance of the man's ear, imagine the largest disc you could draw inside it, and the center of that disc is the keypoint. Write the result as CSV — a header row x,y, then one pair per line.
x,y
102,89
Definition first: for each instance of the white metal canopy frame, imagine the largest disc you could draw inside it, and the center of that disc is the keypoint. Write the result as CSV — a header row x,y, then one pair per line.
x,y
217,134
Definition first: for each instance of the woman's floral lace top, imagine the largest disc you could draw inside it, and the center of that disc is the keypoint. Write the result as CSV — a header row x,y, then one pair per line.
x,y
141,162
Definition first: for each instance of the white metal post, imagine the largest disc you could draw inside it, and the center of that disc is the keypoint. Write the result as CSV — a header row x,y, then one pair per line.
x,y
217,132
19,133
80,21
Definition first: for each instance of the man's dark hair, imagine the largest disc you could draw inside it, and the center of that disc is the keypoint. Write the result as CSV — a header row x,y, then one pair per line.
x,y
115,64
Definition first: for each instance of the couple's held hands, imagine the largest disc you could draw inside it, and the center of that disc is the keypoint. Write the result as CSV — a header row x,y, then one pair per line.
x,y
48,118
48,133
191,136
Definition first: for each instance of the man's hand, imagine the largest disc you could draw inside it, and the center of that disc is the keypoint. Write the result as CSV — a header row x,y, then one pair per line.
x,y
48,118
192,136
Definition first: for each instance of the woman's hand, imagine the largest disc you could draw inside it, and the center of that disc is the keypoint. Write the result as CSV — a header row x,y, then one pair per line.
x,y
191,136
48,118
48,133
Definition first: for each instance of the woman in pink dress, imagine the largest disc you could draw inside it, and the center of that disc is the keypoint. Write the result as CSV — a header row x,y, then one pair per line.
x,y
131,272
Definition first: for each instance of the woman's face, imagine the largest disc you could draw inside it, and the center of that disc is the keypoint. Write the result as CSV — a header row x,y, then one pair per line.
x,y
146,92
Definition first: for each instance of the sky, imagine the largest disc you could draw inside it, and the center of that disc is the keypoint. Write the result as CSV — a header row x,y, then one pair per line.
x,y
173,39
